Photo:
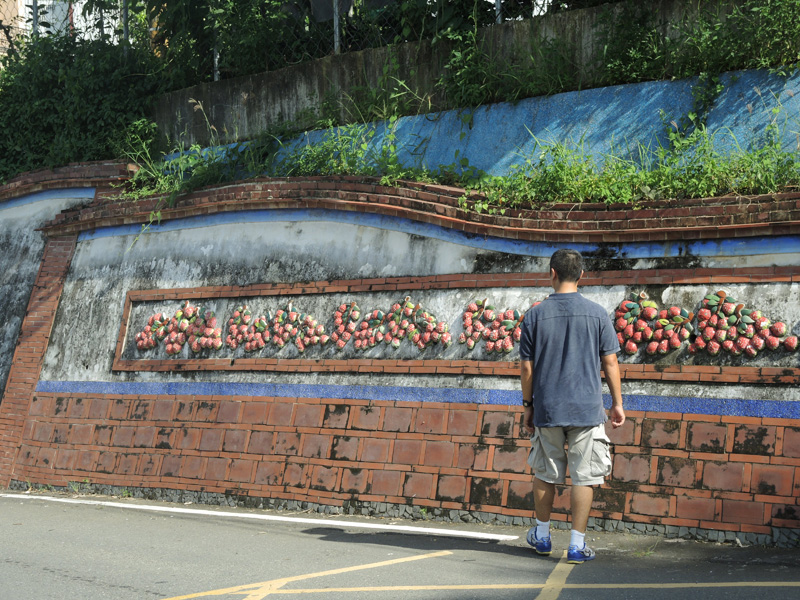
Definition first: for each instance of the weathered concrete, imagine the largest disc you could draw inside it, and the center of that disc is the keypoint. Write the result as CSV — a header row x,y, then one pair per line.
x,y
21,248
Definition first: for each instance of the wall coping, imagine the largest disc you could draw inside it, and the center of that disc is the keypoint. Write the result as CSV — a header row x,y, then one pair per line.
x,y
76,175
696,219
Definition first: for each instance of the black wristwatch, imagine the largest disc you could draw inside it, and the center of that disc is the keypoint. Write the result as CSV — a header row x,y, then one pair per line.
x,y
527,404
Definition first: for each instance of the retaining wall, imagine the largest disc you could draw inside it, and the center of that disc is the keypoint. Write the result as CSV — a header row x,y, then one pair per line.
x,y
242,108
712,443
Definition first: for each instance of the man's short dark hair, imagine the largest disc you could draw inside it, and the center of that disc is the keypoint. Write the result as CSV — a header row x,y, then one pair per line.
x,y
567,263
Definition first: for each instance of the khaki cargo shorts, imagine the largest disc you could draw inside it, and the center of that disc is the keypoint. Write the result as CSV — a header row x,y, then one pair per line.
x,y
588,454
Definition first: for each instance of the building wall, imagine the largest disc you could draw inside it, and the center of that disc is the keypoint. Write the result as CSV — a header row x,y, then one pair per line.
x,y
712,443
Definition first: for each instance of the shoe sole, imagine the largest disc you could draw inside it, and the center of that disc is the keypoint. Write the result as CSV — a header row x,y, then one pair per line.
x,y
543,553
578,562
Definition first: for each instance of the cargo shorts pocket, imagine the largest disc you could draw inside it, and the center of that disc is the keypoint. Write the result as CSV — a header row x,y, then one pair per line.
x,y
537,458
601,452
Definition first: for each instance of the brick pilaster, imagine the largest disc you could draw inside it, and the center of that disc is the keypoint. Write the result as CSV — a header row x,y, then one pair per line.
x,y
31,345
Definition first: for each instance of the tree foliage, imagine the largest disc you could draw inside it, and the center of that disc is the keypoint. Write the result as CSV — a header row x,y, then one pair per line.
x,y
64,100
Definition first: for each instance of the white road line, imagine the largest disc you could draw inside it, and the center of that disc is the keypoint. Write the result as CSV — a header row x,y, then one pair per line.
x,y
259,517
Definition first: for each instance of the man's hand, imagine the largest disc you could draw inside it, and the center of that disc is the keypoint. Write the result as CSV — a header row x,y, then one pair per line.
x,y
617,416
527,422
611,371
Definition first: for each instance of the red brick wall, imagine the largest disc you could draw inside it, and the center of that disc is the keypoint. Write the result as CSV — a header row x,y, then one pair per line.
x,y
713,472
733,473
95,174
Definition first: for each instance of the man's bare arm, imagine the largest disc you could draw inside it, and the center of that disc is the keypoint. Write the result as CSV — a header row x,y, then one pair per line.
x,y
611,370
526,380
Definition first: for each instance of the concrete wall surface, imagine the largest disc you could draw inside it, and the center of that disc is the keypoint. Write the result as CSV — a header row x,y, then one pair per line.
x,y
712,442
26,204
623,121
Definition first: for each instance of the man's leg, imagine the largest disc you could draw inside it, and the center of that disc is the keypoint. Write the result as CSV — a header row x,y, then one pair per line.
x,y
580,503
549,461
539,536
585,475
543,496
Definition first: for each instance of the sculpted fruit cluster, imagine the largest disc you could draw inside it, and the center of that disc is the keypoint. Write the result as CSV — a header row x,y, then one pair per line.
x,y
638,321
188,325
721,325
404,321
725,325
498,329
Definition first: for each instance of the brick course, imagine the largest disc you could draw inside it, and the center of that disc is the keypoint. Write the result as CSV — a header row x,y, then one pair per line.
x,y
672,485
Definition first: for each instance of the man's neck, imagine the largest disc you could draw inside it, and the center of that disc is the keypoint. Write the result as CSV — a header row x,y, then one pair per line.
x,y
565,287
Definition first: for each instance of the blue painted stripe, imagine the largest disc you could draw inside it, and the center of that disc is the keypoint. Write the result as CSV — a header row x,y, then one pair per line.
x,y
67,193
671,404
733,247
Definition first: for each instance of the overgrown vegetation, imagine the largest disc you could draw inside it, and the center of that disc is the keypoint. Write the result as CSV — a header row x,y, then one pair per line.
x,y
65,100
690,165
90,97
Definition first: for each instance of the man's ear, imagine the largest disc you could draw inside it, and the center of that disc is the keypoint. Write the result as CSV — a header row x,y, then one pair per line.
x,y
579,276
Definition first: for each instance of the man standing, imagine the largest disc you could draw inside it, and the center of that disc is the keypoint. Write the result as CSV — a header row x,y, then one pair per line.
x,y
565,341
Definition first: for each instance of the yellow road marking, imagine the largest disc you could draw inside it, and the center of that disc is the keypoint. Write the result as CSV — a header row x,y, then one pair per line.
x,y
416,588
523,586
550,589
556,580
257,591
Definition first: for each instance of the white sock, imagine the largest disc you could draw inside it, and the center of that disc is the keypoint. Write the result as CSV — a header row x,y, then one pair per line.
x,y
576,538
542,529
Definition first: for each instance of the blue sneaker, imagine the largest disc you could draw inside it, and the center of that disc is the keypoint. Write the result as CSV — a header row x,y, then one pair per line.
x,y
576,556
542,546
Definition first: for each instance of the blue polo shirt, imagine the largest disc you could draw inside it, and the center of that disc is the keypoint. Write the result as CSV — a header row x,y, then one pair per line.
x,y
564,337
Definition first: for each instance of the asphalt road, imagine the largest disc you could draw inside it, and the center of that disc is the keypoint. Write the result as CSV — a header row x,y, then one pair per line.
x,y
92,548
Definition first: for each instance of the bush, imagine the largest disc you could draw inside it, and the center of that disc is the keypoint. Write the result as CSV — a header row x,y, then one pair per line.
x,y
66,100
